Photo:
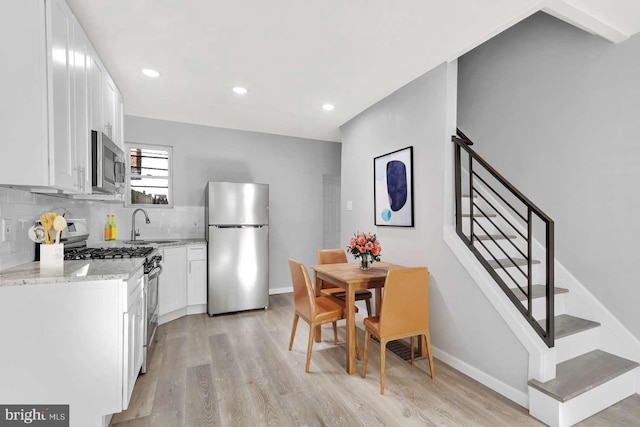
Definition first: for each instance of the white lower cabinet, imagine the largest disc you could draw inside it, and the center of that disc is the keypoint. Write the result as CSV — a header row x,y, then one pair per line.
x,y
183,282
133,321
77,343
197,279
172,283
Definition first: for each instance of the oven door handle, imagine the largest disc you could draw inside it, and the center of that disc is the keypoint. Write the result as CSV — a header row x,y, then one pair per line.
x,y
153,274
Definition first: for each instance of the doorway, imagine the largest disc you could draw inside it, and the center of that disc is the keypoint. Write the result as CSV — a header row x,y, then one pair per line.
x,y
331,212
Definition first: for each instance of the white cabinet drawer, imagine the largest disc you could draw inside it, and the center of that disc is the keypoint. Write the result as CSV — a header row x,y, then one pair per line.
x,y
197,253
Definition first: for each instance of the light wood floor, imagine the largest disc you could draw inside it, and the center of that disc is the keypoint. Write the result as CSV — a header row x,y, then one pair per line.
x,y
235,370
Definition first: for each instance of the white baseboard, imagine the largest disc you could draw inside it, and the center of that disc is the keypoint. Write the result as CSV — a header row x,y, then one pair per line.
x,y
196,309
517,396
168,317
276,291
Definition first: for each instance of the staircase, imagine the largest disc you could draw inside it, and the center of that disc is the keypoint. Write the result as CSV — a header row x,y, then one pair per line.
x,y
571,376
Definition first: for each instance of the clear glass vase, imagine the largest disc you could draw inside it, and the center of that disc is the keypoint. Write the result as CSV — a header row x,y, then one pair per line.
x,y
364,262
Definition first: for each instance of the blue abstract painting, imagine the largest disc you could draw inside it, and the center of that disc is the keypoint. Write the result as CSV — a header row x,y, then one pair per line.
x,y
393,179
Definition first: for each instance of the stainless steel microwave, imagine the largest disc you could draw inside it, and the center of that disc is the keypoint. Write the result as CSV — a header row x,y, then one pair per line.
x,y
108,168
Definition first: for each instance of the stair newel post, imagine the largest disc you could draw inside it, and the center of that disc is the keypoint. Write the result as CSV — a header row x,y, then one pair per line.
x,y
550,279
529,263
458,189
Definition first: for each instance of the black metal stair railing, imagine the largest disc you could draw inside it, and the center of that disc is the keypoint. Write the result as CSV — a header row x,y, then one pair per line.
x,y
481,180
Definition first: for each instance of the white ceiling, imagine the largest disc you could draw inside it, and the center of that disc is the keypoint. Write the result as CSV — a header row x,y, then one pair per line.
x,y
295,55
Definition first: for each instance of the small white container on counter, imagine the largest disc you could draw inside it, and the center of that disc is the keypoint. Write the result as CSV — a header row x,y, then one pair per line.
x,y
51,255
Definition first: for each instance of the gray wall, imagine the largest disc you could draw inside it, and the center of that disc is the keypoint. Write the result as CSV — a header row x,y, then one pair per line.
x,y
464,324
556,111
293,168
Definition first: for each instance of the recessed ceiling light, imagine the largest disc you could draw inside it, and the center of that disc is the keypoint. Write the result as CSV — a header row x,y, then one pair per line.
x,y
240,90
328,107
150,73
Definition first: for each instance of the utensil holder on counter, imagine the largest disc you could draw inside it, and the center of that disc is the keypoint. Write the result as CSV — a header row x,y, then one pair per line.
x,y
51,255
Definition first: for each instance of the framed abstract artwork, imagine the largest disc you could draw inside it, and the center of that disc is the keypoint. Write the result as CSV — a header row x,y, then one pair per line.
x,y
393,188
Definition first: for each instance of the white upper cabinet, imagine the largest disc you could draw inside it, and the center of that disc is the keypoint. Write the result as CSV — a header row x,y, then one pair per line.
x,y
118,136
23,85
107,107
109,101
96,76
113,111
82,61
52,87
62,100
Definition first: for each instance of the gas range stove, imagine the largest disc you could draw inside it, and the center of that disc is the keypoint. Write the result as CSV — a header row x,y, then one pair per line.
x,y
107,253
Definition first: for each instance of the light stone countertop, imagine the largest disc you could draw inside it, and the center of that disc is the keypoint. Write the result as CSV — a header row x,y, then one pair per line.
x,y
84,270
184,242
70,271
156,243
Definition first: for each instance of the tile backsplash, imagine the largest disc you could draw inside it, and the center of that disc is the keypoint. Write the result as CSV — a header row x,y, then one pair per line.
x,y
23,208
180,222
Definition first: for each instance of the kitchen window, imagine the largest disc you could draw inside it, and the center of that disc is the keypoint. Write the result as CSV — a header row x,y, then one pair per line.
x,y
149,178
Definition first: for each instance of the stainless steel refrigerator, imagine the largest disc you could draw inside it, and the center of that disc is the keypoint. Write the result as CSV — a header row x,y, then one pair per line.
x,y
237,233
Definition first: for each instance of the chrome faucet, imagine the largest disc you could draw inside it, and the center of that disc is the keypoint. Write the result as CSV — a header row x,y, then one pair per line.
x,y
135,233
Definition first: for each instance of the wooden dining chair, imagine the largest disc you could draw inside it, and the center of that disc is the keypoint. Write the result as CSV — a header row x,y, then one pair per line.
x,y
314,310
404,313
335,256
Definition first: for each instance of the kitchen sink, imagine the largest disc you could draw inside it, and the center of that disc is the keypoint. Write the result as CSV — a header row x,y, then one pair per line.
x,y
149,242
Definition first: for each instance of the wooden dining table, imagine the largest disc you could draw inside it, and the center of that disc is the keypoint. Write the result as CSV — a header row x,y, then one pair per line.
x,y
351,278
